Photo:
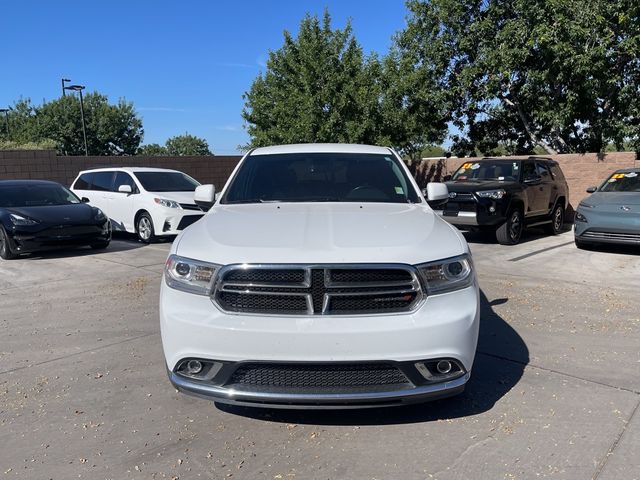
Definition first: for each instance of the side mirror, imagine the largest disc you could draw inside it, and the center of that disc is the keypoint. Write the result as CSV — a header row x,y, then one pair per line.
x,y
437,194
125,189
205,196
592,189
446,178
84,200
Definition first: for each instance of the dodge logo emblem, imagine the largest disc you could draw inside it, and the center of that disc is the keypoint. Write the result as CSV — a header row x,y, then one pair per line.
x,y
625,208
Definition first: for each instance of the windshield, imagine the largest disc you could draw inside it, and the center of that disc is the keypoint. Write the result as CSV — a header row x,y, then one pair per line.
x,y
622,182
35,195
321,177
488,170
166,181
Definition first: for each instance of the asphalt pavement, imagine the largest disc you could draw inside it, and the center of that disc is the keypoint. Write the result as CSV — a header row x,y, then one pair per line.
x,y
554,391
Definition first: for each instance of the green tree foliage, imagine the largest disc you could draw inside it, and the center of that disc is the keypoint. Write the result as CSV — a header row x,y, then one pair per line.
x,y
318,87
111,129
152,150
186,144
563,75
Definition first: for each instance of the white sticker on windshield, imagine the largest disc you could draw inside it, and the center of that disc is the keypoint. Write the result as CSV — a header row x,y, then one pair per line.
x,y
515,165
475,166
631,175
399,190
500,178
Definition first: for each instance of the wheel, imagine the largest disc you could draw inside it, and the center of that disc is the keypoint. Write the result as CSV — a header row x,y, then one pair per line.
x,y
557,221
5,249
509,232
144,228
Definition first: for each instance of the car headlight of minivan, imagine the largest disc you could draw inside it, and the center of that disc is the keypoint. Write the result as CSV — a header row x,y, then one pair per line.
x,y
20,221
492,194
167,203
189,275
447,275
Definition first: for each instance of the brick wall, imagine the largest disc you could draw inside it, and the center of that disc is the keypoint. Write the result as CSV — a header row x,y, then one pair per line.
x,y
44,164
581,170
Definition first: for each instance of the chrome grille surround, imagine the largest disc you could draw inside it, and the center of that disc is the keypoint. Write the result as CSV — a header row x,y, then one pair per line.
x,y
612,236
322,289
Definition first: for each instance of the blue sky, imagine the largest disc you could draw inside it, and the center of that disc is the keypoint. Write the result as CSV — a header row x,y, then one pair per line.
x,y
184,64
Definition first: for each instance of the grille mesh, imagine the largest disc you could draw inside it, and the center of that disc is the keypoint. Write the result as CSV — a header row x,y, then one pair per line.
x,y
318,376
316,290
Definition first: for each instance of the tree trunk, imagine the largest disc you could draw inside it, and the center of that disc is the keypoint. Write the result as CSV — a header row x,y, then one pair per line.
x,y
541,143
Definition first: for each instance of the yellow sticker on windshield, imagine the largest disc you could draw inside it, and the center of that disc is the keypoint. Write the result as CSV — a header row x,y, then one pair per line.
x,y
399,190
466,166
618,175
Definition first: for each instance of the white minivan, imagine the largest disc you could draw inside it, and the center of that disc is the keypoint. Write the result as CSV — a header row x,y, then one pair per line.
x,y
150,202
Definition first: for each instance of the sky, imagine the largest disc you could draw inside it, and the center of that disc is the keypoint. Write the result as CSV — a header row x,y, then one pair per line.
x,y
184,64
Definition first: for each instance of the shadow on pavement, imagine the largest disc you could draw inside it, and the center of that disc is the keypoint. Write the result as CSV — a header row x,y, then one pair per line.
x,y
120,242
492,377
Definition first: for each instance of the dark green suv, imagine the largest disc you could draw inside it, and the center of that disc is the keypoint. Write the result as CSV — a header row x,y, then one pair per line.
x,y
507,195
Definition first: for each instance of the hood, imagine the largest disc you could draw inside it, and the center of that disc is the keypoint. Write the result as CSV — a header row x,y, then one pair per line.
x,y
180,197
612,198
76,213
321,233
465,186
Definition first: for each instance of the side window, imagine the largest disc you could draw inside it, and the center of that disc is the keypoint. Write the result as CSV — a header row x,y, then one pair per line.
x,y
102,181
556,171
543,171
84,182
123,178
528,171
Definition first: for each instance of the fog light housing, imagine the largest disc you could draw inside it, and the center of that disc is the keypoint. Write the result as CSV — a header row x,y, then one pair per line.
x,y
440,369
198,369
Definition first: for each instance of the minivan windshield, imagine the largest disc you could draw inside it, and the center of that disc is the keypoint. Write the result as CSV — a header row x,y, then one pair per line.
x,y
321,177
488,170
33,195
166,181
622,182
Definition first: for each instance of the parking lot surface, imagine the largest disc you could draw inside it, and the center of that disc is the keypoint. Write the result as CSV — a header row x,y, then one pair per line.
x,y
554,391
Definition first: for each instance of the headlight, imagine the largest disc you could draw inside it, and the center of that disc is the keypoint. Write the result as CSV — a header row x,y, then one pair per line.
x,y
189,275
447,275
21,221
99,215
493,194
167,203
580,218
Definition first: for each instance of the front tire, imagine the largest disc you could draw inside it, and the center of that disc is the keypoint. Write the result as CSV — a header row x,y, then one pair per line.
x,y
5,249
557,221
144,228
510,232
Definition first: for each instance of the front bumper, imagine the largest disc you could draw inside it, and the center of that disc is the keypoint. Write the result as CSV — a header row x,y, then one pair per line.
x,y
28,239
607,227
371,399
172,221
461,218
445,326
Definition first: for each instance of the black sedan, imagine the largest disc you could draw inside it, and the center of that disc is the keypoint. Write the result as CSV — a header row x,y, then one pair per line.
x,y
40,215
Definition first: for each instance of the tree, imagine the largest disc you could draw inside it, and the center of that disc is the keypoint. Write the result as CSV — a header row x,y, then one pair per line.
x,y
186,144
111,129
318,87
152,150
558,74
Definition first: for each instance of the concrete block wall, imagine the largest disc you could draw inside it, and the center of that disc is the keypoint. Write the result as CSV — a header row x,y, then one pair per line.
x,y
46,165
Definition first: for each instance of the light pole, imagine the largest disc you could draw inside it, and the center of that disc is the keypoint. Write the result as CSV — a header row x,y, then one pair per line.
x,y
63,81
6,117
79,88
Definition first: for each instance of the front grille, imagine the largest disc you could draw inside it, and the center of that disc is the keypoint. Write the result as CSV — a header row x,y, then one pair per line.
x,y
188,220
464,197
625,237
318,377
190,206
69,231
317,290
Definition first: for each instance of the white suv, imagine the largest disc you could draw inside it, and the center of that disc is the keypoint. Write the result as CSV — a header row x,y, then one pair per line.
x,y
320,278
150,202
